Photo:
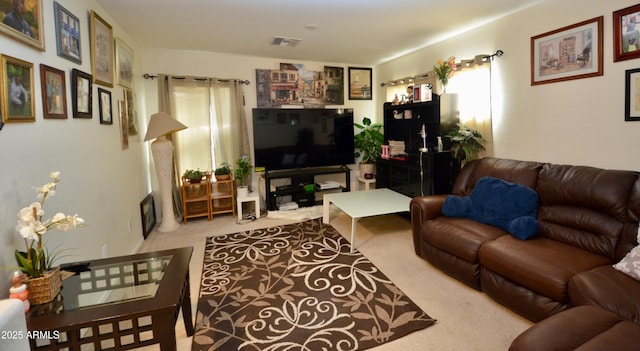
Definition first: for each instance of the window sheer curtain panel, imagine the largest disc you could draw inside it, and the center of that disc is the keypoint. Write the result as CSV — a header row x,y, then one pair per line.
x,y
472,83
213,109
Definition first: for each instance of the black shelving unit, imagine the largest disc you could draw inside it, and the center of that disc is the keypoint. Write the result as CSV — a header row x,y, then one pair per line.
x,y
300,180
419,173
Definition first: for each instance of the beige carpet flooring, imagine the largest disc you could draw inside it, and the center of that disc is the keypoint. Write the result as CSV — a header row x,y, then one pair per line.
x,y
466,319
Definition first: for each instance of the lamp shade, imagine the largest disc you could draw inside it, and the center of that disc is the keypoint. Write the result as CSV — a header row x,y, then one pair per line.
x,y
162,124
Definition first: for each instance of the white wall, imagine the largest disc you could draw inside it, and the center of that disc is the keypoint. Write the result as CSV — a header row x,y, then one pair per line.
x,y
572,122
101,182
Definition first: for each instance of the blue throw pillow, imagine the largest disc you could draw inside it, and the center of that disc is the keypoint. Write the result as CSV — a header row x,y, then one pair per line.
x,y
456,206
506,205
524,227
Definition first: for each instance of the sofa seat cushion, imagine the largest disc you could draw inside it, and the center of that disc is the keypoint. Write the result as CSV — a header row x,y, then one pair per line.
x,y
584,328
540,264
460,237
605,287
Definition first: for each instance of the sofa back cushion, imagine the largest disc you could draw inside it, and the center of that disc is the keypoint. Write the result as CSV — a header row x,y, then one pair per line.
x,y
584,206
628,239
519,172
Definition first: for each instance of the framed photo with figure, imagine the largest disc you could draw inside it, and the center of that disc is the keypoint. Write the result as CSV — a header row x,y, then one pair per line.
x,y
23,21
106,112
54,92
571,52
81,94
626,33
67,34
18,104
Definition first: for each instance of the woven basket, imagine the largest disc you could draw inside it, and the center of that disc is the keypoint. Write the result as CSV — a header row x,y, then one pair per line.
x,y
45,288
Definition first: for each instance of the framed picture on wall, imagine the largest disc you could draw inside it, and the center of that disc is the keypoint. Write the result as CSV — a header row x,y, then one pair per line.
x,y
104,102
124,64
67,34
124,125
626,38
81,96
571,52
632,95
360,83
18,104
101,50
23,21
148,215
54,92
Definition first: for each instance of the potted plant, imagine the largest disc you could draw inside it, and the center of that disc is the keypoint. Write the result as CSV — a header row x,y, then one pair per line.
x,y
369,144
193,176
223,172
241,173
467,142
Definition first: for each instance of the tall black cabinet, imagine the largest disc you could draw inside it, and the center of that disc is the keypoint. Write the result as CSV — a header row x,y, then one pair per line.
x,y
419,173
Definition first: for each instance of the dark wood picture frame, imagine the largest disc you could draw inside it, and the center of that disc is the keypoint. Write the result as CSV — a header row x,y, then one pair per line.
x,y
626,37
54,92
632,91
571,52
147,215
17,74
102,50
104,102
31,34
81,94
360,83
68,34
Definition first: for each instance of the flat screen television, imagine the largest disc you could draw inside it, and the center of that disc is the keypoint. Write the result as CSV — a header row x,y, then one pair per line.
x,y
302,138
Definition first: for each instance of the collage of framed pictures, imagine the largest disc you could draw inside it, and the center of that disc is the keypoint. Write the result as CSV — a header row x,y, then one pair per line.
x,y
111,63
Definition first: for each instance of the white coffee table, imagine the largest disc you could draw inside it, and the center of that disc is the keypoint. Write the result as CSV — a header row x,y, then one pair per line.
x,y
359,204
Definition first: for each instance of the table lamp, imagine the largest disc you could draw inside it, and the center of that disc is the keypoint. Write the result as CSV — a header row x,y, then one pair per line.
x,y
161,124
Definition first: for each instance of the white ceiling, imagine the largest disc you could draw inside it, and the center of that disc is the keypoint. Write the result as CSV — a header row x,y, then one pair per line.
x,y
365,32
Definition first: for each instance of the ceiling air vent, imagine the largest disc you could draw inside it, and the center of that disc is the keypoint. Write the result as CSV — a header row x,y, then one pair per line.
x,y
284,41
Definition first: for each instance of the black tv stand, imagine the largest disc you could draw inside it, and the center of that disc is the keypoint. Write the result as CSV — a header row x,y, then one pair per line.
x,y
299,178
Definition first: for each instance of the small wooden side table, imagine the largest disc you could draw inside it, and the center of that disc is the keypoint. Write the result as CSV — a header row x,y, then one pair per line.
x,y
366,183
250,197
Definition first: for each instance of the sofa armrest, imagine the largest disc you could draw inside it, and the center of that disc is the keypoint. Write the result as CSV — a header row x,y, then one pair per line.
x,y
424,208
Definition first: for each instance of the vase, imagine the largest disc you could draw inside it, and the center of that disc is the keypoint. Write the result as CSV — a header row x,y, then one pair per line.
x,y
44,288
443,86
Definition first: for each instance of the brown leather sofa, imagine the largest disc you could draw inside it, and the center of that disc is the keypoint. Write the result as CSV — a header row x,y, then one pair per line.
x,y
587,221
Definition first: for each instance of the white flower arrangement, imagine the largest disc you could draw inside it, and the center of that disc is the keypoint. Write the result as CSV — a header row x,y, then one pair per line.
x,y
37,259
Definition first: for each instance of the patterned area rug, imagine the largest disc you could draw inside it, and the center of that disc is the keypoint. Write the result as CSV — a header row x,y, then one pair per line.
x,y
297,287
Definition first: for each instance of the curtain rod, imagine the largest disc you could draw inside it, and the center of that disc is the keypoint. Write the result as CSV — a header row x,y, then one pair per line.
x,y
244,82
498,53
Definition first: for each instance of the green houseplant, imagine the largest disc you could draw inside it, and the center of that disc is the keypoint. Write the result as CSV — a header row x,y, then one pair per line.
x,y
194,176
369,144
223,171
241,173
467,142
